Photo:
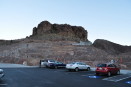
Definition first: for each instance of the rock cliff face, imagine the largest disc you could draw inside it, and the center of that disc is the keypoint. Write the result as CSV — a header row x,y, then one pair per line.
x,y
47,31
111,47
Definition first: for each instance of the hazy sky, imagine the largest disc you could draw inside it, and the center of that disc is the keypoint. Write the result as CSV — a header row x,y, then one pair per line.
x,y
103,19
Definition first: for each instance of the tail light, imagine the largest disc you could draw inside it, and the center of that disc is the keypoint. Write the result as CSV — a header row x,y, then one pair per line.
x,y
98,68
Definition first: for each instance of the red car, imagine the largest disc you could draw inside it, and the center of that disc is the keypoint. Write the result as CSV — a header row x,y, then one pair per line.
x,y
107,69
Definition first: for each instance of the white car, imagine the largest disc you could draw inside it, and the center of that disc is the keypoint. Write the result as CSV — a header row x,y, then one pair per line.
x,y
77,66
1,73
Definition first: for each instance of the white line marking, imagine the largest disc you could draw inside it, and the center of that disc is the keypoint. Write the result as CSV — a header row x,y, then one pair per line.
x,y
116,80
122,79
109,78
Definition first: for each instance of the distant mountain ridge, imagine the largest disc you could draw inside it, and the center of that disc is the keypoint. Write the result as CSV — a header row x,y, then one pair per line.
x,y
111,47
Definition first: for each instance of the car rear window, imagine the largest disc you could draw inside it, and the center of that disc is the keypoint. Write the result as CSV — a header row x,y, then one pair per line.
x,y
101,65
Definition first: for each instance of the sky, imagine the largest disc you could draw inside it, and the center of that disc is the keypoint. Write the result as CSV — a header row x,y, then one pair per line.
x,y
103,19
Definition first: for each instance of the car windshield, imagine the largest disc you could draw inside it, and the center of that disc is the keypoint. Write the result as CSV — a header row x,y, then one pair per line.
x,y
101,65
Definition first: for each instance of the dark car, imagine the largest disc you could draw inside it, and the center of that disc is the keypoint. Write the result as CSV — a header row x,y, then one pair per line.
x,y
107,69
57,64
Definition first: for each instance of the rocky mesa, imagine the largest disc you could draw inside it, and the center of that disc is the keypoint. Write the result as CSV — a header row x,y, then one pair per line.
x,y
47,31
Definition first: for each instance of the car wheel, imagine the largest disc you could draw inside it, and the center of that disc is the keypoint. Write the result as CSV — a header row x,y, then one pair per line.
x,y
109,74
88,69
76,69
56,67
118,72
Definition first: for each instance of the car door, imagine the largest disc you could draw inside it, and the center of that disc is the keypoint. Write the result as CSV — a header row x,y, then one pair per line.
x,y
79,65
115,70
83,66
110,67
59,64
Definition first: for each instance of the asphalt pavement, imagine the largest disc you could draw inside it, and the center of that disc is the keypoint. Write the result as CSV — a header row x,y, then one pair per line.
x,y
32,76
43,77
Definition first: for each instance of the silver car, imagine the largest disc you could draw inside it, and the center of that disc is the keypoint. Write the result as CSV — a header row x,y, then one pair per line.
x,y
46,63
77,66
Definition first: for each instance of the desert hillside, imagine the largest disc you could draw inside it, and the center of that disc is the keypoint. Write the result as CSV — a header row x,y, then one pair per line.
x,y
65,43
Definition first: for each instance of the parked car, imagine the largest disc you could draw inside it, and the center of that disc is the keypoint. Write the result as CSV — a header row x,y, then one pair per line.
x,y
46,63
1,73
107,69
77,66
56,65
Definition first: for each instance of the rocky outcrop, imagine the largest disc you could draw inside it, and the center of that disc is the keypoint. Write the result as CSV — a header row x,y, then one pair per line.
x,y
46,30
111,47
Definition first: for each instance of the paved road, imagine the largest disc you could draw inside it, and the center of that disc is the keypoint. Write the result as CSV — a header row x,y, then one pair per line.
x,y
42,77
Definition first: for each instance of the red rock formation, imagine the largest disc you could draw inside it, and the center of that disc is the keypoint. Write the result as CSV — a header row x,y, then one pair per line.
x,y
63,31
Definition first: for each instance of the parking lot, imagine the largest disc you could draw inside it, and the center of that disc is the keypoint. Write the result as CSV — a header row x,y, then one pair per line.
x,y
43,77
